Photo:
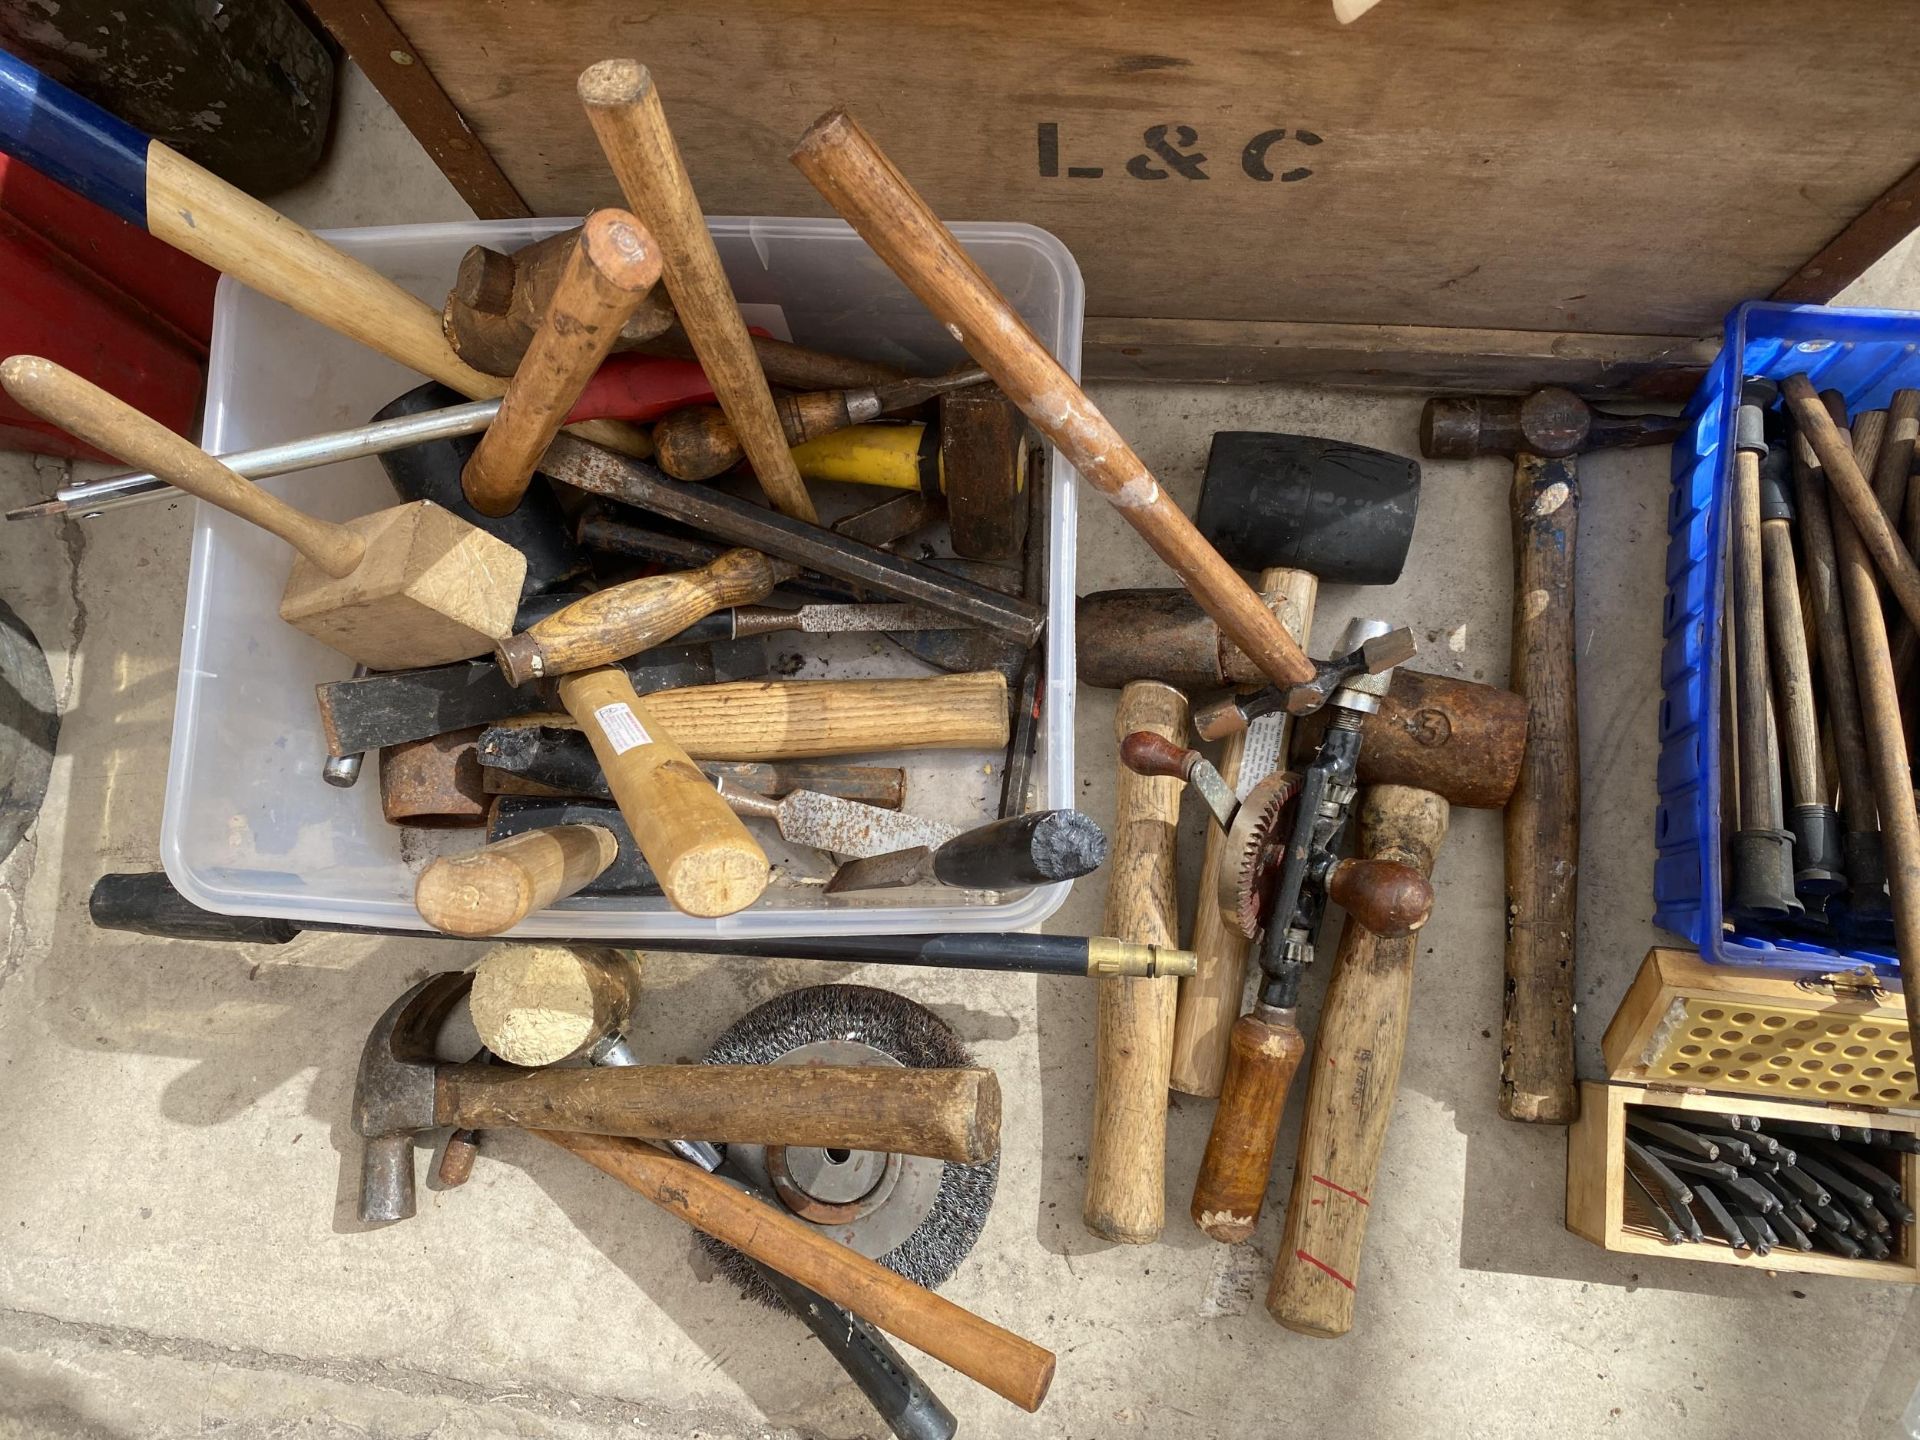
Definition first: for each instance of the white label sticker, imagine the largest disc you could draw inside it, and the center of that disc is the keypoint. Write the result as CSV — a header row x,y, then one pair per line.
x,y
623,730
1260,756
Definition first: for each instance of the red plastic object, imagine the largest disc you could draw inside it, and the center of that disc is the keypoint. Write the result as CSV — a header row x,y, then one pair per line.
x,y
105,299
641,387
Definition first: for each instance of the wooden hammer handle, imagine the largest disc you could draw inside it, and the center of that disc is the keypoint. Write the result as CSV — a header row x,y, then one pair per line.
x,y
624,108
108,423
802,720
1543,818
1133,1024
946,1114
623,620
1005,1363
1263,1050
608,273
698,443
705,860
1356,1073
861,183
494,889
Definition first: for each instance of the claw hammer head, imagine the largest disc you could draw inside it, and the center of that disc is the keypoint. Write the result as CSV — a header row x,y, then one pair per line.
x,y
394,1092
1553,423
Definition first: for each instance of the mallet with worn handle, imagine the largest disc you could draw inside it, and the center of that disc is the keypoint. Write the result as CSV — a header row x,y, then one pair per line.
x,y
627,118
406,586
860,182
607,275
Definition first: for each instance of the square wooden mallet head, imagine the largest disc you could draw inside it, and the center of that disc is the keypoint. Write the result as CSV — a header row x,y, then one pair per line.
x,y
403,587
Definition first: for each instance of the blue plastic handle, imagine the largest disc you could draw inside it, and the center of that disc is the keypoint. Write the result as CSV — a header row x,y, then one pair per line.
x,y
72,140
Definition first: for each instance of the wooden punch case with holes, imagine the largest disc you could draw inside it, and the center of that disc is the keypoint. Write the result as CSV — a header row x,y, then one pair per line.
x,y
1714,1040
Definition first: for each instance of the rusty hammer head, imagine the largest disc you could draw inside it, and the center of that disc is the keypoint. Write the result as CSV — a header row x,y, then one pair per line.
x,y
394,1092
1552,423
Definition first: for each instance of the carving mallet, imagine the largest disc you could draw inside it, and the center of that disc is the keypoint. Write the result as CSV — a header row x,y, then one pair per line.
x,y
88,150
1125,1196
702,855
698,443
607,275
407,586
861,183
1353,1081
1544,433
625,111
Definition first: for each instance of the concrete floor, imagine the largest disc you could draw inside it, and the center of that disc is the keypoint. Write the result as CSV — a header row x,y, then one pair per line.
x,y
180,1253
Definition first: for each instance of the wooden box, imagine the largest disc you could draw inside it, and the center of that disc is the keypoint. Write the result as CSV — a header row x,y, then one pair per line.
x,y
1469,194
1677,995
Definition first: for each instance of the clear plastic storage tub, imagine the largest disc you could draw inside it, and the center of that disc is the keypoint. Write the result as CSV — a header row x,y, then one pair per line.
x,y
251,828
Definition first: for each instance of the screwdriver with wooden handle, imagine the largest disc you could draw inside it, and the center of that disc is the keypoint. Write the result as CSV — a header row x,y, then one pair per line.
x,y
698,443
1363,1036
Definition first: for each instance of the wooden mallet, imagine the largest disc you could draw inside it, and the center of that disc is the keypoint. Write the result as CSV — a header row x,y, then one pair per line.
x,y
406,586
624,108
607,275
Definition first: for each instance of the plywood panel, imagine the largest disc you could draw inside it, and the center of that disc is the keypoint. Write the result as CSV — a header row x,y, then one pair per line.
x,y
1557,167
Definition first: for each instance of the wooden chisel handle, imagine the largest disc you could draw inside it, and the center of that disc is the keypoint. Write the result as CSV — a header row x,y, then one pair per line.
x,y
623,620
697,443
108,423
1543,817
494,889
1005,1363
608,273
624,108
946,1114
1263,1050
1210,997
1133,1025
1343,1131
705,861
861,183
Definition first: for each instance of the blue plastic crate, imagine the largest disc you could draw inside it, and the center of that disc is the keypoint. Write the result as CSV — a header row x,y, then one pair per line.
x,y
1866,355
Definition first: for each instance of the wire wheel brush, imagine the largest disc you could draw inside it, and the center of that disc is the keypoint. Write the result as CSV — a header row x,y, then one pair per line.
x,y
915,1215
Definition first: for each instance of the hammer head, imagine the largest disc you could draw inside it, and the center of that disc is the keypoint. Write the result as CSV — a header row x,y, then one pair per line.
x,y
1552,423
393,1093
1341,512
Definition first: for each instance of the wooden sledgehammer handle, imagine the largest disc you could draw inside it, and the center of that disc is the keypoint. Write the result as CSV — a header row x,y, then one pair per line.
x,y
494,889
108,423
861,183
608,274
1005,1363
1343,1131
946,1114
624,108
800,720
1543,818
1133,1025
704,858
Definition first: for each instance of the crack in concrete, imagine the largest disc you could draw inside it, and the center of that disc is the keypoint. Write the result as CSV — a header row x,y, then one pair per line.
x,y
32,1331
74,538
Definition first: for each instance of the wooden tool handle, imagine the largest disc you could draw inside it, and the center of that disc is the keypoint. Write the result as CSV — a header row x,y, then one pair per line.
x,y
698,443
1746,591
1263,1051
1210,997
205,217
623,620
496,888
627,118
1386,897
800,720
607,275
946,1114
541,1004
861,183
1845,480
1133,1024
1005,1363
1792,666
1351,1087
1146,752
106,422
705,860
1543,818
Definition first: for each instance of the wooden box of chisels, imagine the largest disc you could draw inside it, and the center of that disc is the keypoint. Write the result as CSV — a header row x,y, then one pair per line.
x,y
1752,1118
